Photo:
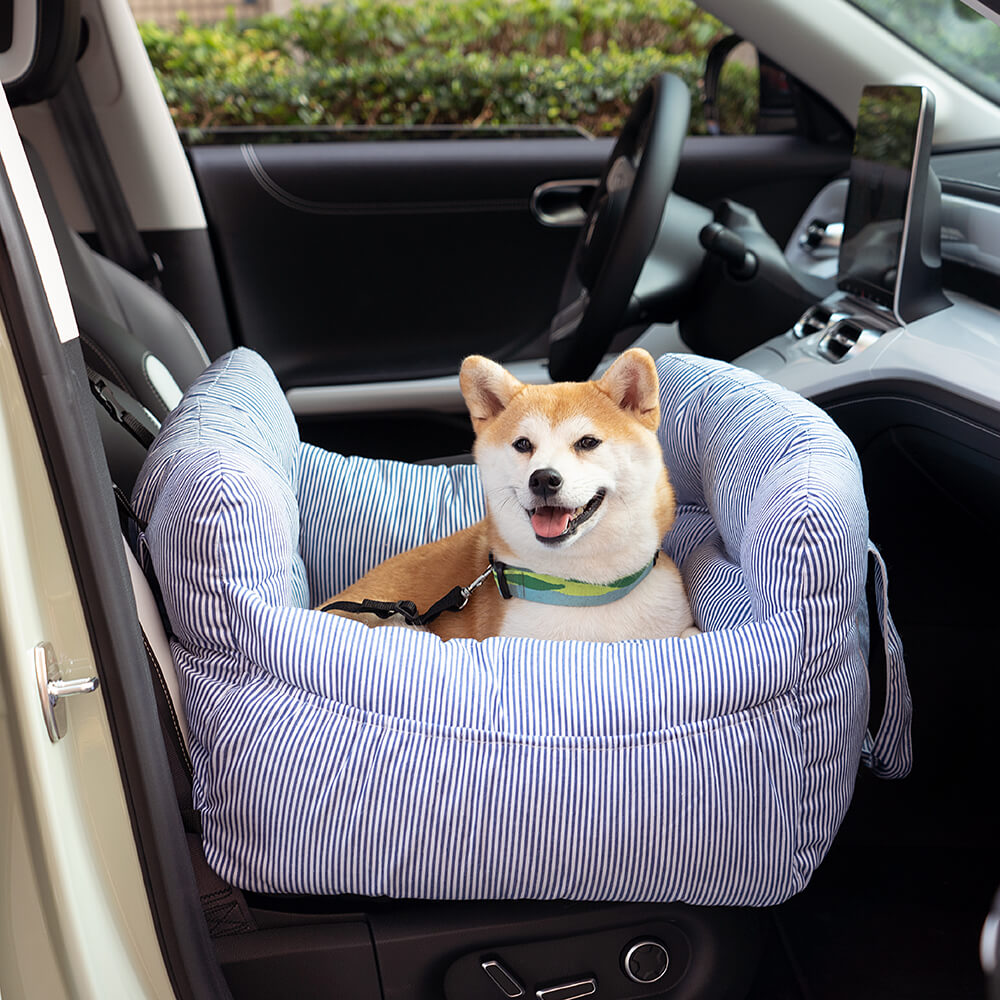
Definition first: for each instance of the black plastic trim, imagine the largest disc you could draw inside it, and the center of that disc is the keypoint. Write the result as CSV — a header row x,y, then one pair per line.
x,y
258,135
54,379
974,282
971,190
907,402
57,41
965,146
6,26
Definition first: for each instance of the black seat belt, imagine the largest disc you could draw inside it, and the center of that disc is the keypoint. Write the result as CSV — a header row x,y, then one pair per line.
x,y
117,232
104,393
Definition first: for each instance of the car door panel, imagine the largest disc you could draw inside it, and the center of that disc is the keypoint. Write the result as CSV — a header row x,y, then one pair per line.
x,y
348,262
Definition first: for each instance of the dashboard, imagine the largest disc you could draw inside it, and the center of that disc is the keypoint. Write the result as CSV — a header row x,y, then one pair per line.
x,y
844,342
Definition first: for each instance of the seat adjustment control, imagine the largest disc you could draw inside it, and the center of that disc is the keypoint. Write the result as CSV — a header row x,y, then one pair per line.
x,y
646,961
503,979
569,991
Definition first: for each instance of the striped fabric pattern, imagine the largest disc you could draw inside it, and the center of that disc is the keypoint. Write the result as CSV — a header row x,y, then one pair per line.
x,y
334,758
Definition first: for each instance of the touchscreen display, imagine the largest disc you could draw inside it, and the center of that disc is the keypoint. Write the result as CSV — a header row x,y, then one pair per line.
x,y
889,120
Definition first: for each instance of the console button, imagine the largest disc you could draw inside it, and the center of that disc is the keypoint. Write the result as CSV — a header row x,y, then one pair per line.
x,y
569,991
503,979
646,961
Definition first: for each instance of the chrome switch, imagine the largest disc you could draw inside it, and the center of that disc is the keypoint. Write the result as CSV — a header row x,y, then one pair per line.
x,y
569,991
503,979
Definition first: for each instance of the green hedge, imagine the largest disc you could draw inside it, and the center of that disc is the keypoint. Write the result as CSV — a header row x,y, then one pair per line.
x,y
442,62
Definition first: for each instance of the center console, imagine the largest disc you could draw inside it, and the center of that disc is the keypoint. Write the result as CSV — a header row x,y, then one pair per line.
x,y
889,260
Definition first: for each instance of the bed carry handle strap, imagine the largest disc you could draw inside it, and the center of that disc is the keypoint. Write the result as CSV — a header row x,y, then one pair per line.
x,y
890,753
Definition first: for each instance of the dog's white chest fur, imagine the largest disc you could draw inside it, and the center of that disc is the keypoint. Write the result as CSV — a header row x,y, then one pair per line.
x,y
657,607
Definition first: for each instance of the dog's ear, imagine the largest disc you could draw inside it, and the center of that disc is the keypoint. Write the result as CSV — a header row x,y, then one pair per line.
x,y
632,384
487,388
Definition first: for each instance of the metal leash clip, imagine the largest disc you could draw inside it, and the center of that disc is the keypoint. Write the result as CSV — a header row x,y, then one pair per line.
x,y
466,592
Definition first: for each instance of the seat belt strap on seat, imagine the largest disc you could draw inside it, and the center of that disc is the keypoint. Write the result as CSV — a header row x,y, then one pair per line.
x,y
104,393
99,183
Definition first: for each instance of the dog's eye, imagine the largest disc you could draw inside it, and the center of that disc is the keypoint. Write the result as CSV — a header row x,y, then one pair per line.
x,y
587,443
524,446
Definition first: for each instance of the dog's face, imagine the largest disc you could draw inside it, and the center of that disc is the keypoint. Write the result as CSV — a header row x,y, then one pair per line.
x,y
573,472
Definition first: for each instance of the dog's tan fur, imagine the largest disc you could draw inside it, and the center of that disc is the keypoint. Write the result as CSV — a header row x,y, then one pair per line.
x,y
623,410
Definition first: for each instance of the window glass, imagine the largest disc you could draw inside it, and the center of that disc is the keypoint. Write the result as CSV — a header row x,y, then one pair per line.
x,y
949,33
575,64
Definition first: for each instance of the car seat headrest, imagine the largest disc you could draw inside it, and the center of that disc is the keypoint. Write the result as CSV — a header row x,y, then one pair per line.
x,y
39,43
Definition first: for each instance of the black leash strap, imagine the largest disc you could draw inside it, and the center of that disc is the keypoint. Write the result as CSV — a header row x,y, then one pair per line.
x,y
454,600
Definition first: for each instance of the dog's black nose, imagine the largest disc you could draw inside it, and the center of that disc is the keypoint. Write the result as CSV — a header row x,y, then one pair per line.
x,y
545,483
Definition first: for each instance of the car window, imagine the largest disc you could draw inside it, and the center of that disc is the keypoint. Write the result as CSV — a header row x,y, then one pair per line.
x,y
439,64
949,33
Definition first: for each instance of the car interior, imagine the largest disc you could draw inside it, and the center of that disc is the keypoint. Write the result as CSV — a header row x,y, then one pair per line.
x,y
894,334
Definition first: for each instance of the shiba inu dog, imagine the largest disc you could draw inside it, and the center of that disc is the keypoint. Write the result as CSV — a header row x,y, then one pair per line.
x,y
578,501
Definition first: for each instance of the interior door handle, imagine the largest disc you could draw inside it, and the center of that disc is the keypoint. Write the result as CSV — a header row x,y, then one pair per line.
x,y
563,203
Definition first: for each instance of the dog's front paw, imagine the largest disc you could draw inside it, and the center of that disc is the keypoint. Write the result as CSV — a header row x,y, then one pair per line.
x,y
693,630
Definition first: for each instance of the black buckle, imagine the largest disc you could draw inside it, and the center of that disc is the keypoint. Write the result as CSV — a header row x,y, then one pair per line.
x,y
500,575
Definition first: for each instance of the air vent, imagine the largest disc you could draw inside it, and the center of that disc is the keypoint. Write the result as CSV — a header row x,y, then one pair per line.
x,y
814,320
843,338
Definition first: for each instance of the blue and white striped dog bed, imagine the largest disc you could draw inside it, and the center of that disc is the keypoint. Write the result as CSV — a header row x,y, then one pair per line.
x,y
334,758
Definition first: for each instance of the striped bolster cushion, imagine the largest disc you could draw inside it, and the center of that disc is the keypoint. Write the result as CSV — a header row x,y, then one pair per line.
x,y
334,758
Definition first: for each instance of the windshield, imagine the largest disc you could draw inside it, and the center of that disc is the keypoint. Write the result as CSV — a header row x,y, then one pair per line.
x,y
958,39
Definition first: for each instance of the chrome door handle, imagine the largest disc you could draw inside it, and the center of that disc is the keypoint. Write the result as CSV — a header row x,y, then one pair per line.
x,y
563,203
52,689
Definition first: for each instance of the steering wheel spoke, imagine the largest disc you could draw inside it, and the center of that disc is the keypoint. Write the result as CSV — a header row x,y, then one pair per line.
x,y
567,320
620,231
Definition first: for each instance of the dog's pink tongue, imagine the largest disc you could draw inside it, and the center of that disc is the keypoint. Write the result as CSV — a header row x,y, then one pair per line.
x,y
550,522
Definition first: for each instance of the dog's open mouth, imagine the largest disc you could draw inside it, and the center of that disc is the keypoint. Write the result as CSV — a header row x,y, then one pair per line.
x,y
553,524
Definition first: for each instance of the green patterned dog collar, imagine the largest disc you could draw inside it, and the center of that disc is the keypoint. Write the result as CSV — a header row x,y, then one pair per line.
x,y
512,581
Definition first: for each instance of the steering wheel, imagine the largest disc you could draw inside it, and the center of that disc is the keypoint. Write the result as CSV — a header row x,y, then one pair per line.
x,y
620,229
